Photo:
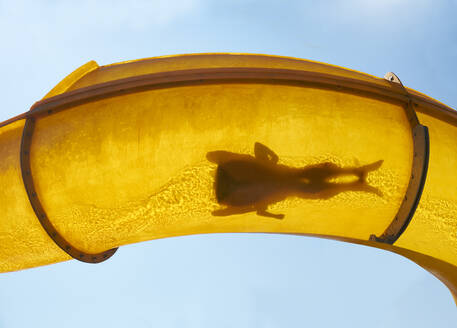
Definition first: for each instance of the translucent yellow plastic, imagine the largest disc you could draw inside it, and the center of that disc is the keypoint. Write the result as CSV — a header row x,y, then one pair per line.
x,y
191,159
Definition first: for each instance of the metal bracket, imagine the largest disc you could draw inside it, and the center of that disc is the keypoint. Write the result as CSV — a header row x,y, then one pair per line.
x,y
38,208
389,76
421,149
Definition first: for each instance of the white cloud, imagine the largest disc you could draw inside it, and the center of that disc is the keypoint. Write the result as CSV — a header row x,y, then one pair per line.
x,y
94,15
376,13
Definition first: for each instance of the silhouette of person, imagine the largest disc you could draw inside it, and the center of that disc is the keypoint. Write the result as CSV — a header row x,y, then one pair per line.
x,y
245,183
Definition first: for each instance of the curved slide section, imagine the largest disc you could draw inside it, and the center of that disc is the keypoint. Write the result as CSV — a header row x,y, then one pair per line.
x,y
215,143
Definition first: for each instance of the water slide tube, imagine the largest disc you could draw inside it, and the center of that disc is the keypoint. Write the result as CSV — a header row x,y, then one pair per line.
x,y
214,143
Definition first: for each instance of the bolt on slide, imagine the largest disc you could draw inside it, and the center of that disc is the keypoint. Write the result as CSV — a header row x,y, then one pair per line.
x,y
213,143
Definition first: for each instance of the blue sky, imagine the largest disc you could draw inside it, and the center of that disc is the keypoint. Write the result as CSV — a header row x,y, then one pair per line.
x,y
231,280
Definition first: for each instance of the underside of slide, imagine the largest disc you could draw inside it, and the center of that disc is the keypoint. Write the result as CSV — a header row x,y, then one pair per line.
x,y
216,143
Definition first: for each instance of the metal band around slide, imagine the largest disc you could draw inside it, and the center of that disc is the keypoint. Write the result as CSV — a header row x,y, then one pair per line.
x,y
421,151
27,178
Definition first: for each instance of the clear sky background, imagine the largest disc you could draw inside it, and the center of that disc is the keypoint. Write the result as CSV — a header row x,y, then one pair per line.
x,y
228,280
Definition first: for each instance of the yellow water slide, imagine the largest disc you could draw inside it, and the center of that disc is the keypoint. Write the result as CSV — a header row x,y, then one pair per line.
x,y
213,143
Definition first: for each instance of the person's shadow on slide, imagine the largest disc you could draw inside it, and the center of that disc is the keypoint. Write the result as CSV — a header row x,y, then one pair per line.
x,y
245,183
